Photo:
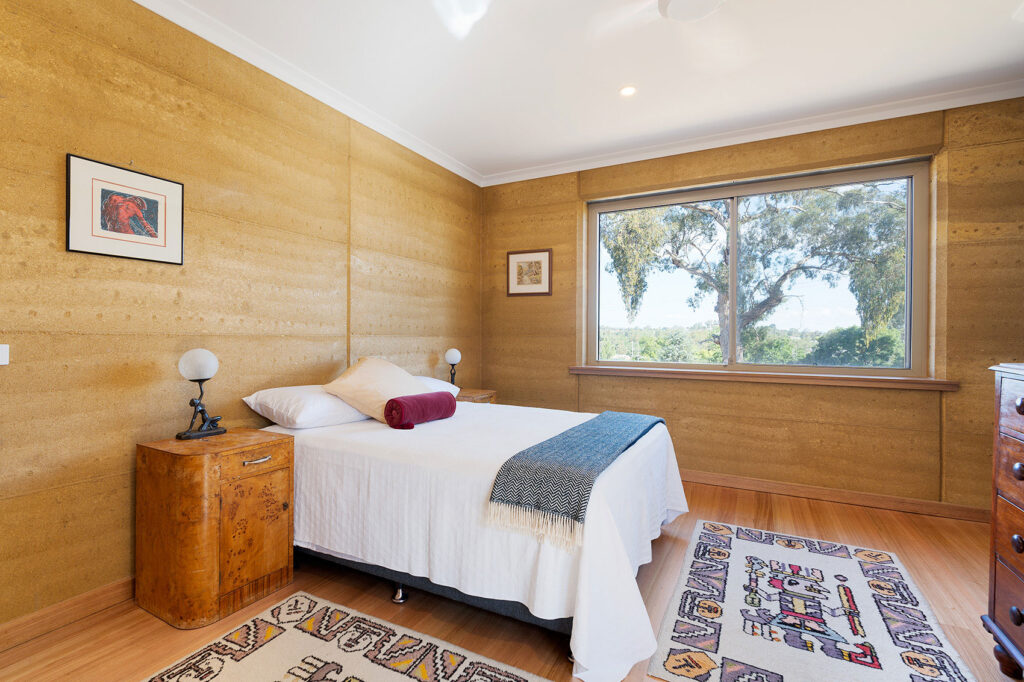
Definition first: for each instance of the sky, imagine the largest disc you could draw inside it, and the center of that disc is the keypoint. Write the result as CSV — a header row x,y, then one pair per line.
x,y
811,306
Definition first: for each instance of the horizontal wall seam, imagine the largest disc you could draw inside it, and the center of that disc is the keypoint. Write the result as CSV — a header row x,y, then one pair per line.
x,y
354,269
982,145
210,334
266,226
565,204
72,484
777,420
197,211
992,241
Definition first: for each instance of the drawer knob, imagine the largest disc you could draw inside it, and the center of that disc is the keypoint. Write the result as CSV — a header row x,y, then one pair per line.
x,y
1015,537
1019,404
261,460
1016,617
1018,471
1018,544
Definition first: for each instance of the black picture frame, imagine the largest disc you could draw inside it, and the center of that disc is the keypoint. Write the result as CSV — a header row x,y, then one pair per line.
x,y
120,212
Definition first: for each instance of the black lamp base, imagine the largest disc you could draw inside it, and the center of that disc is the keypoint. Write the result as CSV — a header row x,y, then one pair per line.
x,y
453,374
208,426
192,435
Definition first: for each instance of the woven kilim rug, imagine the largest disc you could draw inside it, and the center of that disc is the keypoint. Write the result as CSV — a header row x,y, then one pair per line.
x,y
757,606
308,639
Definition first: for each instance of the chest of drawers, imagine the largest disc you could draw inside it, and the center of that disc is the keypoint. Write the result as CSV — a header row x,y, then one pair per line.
x,y
1005,618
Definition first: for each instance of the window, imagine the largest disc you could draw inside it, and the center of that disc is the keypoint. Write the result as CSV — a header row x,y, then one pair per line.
x,y
824,273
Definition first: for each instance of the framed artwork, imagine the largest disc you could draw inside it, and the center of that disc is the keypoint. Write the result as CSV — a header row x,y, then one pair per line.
x,y
114,211
529,273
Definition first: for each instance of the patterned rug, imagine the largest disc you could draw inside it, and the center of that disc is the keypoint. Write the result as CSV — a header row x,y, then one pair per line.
x,y
757,606
308,639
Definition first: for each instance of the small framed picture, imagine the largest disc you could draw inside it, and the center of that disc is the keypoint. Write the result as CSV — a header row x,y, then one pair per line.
x,y
529,273
114,211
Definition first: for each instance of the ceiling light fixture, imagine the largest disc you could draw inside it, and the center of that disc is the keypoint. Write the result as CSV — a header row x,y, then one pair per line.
x,y
688,10
459,16
628,91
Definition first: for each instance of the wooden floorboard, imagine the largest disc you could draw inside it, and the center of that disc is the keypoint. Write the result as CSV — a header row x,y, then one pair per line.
x,y
947,558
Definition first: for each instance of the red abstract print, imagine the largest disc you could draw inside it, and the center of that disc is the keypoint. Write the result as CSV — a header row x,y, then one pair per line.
x,y
119,210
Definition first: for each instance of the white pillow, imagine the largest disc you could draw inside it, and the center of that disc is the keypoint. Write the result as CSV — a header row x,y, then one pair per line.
x,y
302,407
370,383
440,385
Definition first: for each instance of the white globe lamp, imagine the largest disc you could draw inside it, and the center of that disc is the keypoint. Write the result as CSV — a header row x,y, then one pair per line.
x,y
199,365
453,357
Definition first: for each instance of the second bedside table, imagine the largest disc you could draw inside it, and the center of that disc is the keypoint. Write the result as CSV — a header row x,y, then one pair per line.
x,y
477,395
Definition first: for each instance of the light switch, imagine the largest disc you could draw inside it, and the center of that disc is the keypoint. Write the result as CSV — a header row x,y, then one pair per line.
x,y
5,354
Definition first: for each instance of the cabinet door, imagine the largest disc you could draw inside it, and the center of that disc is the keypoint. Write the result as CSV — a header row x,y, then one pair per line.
x,y
255,527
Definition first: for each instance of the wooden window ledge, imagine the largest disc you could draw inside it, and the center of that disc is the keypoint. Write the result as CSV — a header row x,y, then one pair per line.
x,y
856,380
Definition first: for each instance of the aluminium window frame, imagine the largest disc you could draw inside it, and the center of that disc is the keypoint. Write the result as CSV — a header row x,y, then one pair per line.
x,y
919,253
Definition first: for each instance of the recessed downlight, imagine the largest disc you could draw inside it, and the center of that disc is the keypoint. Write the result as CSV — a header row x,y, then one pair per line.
x,y
628,91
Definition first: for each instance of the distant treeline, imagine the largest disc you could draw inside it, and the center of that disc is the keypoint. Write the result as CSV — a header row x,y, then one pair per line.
x,y
699,344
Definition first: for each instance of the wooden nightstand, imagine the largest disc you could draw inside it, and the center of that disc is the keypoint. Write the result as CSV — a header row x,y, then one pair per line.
x,y
477,395
213,524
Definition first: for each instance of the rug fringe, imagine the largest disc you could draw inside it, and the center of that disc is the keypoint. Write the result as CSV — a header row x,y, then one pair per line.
x,y
559,530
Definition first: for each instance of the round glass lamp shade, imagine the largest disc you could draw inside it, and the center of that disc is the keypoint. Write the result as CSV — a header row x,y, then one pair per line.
x,y
452,356
198,364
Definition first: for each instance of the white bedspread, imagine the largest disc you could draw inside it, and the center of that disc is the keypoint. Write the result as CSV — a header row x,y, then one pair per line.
x,y
415,501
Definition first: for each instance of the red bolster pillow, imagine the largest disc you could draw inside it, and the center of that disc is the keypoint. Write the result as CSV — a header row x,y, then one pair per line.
x,y
405,411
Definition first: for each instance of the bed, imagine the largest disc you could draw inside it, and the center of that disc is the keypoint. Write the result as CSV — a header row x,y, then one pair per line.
x,y
414,502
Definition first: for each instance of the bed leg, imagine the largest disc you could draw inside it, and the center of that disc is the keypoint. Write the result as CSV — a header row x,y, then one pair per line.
x,y
400,596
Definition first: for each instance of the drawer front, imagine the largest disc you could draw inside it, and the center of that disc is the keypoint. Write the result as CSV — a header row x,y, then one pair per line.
x,y
256,460
1011,392
1009,465
1009,597
1008,534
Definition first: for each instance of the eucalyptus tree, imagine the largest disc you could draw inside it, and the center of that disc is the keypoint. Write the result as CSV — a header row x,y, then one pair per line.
x,y
855,233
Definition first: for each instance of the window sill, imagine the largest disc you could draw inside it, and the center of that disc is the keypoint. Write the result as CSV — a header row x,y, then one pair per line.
x,y
862,381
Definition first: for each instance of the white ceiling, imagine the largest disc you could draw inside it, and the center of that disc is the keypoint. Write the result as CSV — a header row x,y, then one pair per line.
x,y
532,89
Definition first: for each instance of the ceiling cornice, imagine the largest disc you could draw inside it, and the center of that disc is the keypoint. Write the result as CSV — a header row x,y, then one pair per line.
x,y
225,37
810,124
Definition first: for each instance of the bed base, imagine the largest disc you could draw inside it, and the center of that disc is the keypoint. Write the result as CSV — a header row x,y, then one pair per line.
x,y
401,581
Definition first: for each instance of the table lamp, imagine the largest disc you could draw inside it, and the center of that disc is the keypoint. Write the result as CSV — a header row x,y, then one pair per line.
x,y
199,365
452,356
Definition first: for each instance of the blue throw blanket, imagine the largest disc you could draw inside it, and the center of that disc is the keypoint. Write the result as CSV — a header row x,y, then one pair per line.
x,y
546,487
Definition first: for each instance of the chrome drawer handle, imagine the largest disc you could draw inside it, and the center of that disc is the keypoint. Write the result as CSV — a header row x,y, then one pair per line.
x,y
261,460
1018,471
1019,404
1016,617
1018,544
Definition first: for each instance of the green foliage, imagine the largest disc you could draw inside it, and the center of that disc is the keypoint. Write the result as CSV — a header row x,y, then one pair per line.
x,y
633,240
852,347
767,345
770,346
857,231
693,345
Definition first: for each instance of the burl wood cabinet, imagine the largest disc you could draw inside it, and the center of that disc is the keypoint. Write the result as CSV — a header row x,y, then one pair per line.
x,y
1005,619
213,524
